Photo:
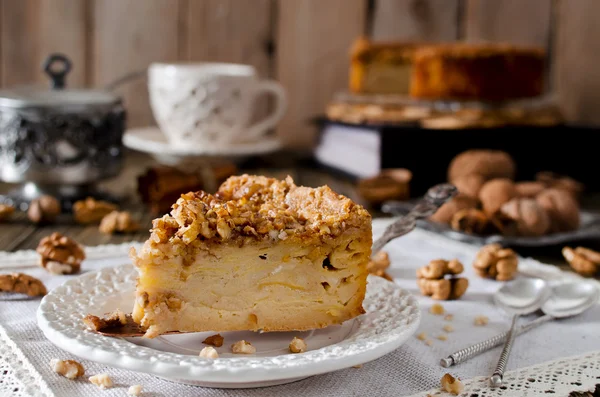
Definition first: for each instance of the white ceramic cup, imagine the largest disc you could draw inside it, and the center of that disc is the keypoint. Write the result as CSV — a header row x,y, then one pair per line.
x,y
211,103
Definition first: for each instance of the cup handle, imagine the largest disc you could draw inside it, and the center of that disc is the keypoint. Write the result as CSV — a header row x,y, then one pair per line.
x,y
274,88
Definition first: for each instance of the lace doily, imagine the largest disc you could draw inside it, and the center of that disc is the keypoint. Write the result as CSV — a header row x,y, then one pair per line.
x,y
559,377
18,377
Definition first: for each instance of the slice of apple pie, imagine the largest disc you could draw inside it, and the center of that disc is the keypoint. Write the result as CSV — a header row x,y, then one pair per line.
x,y
261,254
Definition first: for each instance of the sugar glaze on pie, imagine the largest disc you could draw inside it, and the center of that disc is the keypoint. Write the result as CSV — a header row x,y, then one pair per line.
x,y
260,254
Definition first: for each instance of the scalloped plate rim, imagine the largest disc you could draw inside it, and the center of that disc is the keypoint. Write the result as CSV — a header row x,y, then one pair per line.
x,y
205,373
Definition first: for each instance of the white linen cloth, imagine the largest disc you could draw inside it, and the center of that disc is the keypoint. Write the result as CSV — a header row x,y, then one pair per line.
x,y
412,369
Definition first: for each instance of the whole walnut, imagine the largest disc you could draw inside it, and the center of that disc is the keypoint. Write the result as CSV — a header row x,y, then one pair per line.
x,y
561,182
529,189
528,216
469,185
495,193
490,164
43,209
459,202
90,211
562,208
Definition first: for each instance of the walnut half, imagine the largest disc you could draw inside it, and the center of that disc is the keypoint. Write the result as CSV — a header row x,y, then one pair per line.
x,y
452,385
90,211
583,260
60,255
20,283
118,222
493,261
432,282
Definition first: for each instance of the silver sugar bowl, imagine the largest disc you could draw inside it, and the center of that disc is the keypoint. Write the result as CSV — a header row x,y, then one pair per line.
x,y
59,141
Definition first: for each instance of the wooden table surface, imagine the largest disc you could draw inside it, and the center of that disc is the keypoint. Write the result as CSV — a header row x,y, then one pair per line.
x,y
20,234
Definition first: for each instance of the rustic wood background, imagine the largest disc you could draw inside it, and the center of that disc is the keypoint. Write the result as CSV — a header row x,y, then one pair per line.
x,y
302,43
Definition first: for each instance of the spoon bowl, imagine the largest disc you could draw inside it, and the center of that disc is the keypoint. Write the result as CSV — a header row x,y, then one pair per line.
x,y
522,296
569,299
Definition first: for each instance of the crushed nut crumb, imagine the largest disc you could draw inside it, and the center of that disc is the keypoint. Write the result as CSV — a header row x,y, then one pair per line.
x,y
243,347
209,352
422,336
68,368
135,390
103,381
480,320
297,345
442,337
449,317
448,328
428,342
214,340
357,366
451,384
437,309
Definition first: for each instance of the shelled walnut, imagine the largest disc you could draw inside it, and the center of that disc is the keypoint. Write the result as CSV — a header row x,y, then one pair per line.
x,y
493,261
20,283
584,261
118,222
6,211
474,221
432,282
44,209
379,264
90,211
60,254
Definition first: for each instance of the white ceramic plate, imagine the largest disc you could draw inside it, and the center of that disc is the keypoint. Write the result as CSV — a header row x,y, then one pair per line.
x,y
152,141
392,317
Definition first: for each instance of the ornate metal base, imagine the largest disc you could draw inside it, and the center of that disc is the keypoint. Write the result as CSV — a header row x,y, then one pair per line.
x,y
21,196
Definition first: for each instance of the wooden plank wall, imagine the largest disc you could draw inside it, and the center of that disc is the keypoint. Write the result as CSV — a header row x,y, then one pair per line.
x,y
302,43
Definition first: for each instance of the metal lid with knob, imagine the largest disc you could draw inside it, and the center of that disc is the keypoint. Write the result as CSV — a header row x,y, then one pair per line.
x,y
57,67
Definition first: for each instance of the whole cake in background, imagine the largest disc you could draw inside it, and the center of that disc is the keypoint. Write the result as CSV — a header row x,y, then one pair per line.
x,y
260,254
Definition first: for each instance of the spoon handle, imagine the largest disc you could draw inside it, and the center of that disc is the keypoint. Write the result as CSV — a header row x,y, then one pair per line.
x,y
427,206
496,378
465,354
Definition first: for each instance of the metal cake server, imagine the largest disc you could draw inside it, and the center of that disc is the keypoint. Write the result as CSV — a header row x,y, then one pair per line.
x,y
433,199
427,206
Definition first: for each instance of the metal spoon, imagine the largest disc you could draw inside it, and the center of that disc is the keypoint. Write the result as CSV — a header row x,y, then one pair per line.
x,y
518,297
568,299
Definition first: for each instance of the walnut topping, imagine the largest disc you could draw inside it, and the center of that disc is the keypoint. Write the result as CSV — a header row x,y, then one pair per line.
x,y
44,209
103,381
480,320
379,264
134,390
114,319
422,336
118,222
437,309
432,282
495,262
60,254
6,211
20,283
68,368
442,337
243,347
583,260
448,328
259,208
297,345
91,211
214,340
209,352
449,317
451,384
